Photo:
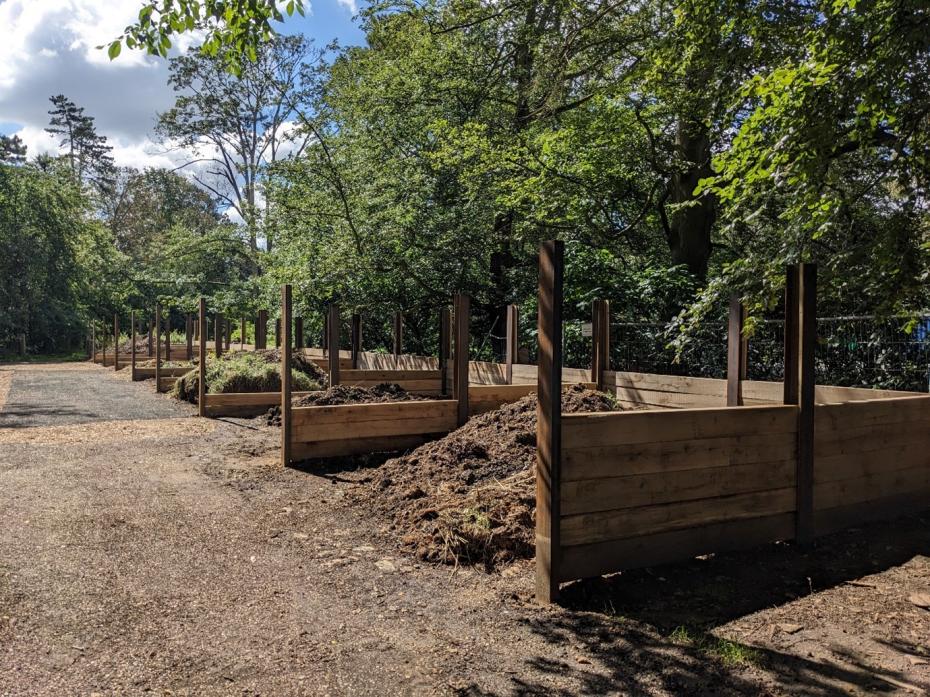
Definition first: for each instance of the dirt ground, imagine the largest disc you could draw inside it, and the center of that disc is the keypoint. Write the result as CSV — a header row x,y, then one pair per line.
x,y
144,550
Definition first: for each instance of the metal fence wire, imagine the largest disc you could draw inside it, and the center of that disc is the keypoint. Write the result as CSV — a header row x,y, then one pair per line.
x,y
851,351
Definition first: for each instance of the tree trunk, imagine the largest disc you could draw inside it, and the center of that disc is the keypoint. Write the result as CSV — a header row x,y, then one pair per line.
x,y
690,225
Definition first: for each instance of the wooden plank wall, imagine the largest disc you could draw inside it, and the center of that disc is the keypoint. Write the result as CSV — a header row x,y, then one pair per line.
x,y
871,460
647,487
350,429
420,381
484,398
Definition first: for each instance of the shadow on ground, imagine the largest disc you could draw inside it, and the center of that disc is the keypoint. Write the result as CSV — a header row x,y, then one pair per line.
x,y
632,625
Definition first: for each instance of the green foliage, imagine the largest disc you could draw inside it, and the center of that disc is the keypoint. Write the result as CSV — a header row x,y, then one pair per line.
x,y
247,372
242,25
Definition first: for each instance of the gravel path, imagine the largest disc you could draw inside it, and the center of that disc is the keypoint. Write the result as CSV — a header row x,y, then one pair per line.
x,y
50,395
146,551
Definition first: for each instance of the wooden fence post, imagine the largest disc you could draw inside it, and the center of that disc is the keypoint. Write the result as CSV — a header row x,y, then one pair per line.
x,y
356,339
132,349
736,353
398,333
461,336
512,343
445,336
115,341
325,342
549,422
261,330
791,335
103,359
807,340
189,335
168,336
218,334
227,328
286,311
298,332
600,341
157,348
277,333
93,342
242,329
333,341
202,360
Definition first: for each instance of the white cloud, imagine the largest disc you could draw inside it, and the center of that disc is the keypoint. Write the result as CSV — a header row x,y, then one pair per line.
x,y
351,5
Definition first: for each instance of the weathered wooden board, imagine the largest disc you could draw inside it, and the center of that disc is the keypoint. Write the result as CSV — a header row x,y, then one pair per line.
x,y
623,428
484,398
588,528
634,491
584,561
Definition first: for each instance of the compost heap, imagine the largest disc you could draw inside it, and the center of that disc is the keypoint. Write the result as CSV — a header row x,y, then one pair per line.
x,y
345,394
250,371
470,497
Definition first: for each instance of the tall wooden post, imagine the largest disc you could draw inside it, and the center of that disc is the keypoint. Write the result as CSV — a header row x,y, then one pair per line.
x,y
325,341
132,349
103,360
736,353
461,340
93,342
356,339
791,335
168,336
398,333
227,328
806,344
242,334
202,360
298,333
333,341
600,340
512,344
157,348
277,333
286,311
115,341
549,422
218,334
189,335
445,348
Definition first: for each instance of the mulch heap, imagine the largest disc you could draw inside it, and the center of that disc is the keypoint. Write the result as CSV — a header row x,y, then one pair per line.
x,y
345,394
470,498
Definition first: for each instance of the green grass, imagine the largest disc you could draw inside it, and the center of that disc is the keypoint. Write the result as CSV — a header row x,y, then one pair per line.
x,y
72,357
730,653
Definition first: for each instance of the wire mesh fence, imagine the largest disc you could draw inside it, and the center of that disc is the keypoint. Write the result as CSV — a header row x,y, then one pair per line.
x,y
851,351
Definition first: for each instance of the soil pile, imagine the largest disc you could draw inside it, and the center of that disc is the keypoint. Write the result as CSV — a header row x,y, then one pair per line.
x,y
345,394
470,497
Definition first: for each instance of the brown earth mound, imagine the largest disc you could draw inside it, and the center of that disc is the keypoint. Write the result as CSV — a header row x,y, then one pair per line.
x,y
345,394
470,497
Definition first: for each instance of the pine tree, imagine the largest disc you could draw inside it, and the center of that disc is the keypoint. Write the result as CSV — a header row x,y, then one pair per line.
x,y
12,150
86,152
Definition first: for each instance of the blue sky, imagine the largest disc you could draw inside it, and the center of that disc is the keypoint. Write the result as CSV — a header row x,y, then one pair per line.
x,y
49,47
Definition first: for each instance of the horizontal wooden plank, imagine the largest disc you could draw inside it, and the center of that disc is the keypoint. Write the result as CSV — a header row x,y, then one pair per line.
x,y
616,428
670,400
676,455
356,446
146,373
677,384
230,399
829,520
873,462
394,426
353,413
418,386
587,528
585,561
851,415
877,485
349,377
616,493
869,438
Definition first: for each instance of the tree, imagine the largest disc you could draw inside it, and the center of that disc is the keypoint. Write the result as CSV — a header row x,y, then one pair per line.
x,y
145,205
86,152
238,125
236,29
12,150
